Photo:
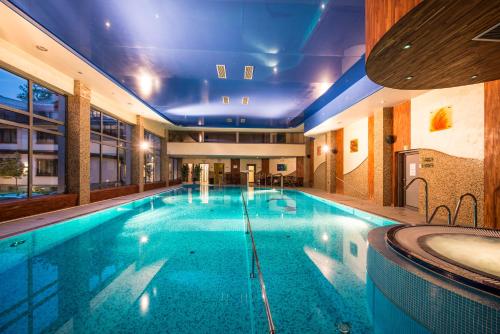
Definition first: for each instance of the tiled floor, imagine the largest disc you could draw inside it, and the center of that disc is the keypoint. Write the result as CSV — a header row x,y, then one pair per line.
x,y
29,223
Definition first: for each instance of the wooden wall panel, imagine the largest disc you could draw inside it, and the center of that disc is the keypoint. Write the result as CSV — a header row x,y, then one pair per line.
x,y
311,163
235,171
492,154
371,158
265,166
381,15
339,160
23,208
299,167
103,194
402,131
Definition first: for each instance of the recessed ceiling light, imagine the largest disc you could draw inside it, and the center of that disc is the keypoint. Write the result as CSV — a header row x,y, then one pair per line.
x,y
248,74
275,69
157,16
130,103
80,72
225,99
221,71
409,77
474,76
42,48
245,100
407,46
107,24
323,6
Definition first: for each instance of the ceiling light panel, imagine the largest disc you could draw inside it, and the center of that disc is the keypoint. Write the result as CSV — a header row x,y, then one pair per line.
x,y
225,99
221,71
248,75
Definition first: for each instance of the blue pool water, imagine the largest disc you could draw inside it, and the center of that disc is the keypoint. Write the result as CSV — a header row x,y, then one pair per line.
x,y
179,262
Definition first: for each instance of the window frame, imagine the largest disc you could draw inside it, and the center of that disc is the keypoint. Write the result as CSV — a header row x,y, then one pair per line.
x,y
32,128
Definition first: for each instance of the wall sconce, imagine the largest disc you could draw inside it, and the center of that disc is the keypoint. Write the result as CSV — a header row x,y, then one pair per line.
x,y
144,146
390,139
325,148
335,150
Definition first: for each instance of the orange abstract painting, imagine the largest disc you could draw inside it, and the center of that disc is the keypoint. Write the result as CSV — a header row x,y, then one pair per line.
x,y
354,145
441,119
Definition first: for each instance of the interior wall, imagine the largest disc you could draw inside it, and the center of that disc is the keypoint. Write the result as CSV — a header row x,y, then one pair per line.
x,y
291,164
452,160
356,163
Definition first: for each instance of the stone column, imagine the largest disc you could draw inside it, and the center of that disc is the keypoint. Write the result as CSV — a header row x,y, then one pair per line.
x,y
331,165
165,166
138,154
382,156
78,143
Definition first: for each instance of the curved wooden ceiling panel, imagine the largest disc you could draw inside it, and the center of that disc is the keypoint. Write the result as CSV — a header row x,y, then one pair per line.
x,y
433,46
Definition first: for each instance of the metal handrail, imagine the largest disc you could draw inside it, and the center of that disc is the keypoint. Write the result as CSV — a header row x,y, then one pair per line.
x,y
281,179
437,209
426,195
255,262
459,204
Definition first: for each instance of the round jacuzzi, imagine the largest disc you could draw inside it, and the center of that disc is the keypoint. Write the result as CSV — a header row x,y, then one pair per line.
x,y
464,254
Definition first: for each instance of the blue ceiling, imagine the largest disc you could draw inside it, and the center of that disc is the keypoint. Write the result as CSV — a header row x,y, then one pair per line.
x,y
166,51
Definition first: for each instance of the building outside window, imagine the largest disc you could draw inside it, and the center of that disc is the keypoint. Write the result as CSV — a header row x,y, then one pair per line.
x,y
152,158
26,173
110,154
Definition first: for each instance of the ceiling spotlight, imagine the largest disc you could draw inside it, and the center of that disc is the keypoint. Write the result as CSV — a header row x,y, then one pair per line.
x,y
225,99
221,71
157,16
275,69
107,24
474,76
42,48
248,74
407,46
245,100
409,77
80,72
323,6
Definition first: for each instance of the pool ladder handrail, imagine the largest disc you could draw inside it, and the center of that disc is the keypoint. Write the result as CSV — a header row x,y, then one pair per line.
x,y
459,204
437,209
281,179
255,262
426,195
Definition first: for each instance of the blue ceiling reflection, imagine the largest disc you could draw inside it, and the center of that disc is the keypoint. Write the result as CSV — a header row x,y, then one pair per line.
x,y
166,52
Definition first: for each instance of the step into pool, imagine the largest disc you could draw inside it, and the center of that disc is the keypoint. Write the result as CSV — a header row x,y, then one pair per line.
x,y
180,262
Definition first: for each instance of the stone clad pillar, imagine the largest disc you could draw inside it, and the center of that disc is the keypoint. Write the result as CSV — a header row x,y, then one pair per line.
x,y
382,156
78,143
137,173
331,164
165,166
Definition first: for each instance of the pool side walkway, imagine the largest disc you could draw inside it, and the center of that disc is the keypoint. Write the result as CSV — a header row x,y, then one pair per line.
x,y
399,214
16,226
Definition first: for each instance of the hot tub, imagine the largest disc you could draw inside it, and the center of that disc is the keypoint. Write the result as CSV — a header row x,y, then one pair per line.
x,y
465,254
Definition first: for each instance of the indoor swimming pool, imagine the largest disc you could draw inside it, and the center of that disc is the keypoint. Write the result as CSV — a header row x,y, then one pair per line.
x,y
180,262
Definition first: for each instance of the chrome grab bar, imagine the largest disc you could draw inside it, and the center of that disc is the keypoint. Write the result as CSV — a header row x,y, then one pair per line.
x,y
426,195
437,209
459,204
255,262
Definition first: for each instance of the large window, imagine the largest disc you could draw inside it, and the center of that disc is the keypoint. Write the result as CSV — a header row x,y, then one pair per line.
x,y
26,172
110,156
152,158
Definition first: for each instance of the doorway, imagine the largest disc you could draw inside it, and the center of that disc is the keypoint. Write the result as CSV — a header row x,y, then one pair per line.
x,y
408,169
251,173
218,173
204,173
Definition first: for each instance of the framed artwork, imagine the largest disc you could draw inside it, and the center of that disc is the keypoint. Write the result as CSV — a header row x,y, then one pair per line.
x,y
441,119
354,145
318,151
281,167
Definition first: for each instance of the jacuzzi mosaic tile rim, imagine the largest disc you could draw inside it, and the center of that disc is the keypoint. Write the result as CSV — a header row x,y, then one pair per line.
x,y
449,271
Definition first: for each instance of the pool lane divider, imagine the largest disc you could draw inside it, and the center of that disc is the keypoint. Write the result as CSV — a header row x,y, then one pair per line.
x,y
256,263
